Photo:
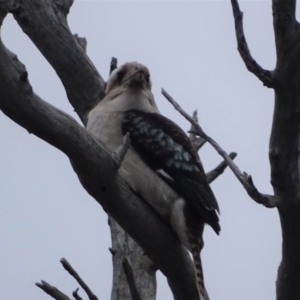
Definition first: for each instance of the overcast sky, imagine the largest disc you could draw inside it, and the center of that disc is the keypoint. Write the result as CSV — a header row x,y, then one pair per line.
x,y
190,49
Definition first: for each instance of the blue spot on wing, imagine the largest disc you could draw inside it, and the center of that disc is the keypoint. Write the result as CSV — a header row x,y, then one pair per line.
x,y
152,138
137,119
158,135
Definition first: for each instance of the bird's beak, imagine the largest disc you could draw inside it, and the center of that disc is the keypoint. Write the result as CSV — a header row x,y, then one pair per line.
x,y
132,75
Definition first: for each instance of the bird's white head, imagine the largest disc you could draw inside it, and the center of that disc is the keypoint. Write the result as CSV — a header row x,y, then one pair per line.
x,y
131,75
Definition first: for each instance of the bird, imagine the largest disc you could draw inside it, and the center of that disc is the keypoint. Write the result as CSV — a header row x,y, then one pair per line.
x,y
161,164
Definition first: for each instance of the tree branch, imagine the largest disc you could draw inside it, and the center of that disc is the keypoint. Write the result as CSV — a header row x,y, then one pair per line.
x,y
131,279
113,64
121,151
198,142
244,178
44,21
219,169
263,75
73,273
75,294
52,291
94,166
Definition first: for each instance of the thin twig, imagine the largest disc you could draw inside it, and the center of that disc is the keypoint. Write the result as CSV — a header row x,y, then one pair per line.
x,y
75,294
113,64
219,169
198,142
244,178
72,272
264,75
130,278
121,151
52,291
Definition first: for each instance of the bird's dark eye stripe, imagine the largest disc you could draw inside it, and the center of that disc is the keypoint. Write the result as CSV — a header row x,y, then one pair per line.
x,y
120,74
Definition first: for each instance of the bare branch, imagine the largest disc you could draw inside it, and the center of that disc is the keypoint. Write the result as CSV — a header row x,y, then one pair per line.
x,y
44,21
264,75
120,153
75,294
198,142
52,291
218,170
113,64
131,279
244,178
73,273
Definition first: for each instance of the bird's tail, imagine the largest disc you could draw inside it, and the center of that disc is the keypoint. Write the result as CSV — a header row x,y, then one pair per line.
x,y
199,271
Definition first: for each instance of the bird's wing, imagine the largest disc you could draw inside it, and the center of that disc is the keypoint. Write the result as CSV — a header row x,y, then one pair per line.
x,y
167,149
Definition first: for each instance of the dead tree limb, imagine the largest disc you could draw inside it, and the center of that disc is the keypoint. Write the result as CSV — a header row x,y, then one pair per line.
x,y
265,76
244,178
52,291
73,273
219,169
113,64
75,295
121,151
197,141
44,21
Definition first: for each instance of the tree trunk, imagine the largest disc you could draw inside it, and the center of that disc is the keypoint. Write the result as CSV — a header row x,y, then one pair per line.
x,y
284,145
144,271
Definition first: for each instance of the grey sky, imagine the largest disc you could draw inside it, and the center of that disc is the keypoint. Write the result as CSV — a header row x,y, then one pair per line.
x,y
190,49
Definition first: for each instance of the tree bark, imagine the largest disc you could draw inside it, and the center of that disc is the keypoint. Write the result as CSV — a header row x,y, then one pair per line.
x,y
285,137
284,145
123,246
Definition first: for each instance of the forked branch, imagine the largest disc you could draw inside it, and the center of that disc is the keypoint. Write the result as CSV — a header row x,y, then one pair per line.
x,y
52,291
264,75
75,294
198,142
73,273
219,169
244,178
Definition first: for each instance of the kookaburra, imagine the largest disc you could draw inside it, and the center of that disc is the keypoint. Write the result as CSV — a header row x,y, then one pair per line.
x,y
161,164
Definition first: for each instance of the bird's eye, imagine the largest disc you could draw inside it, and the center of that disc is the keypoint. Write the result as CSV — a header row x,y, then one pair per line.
x,y
120,75
147,78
